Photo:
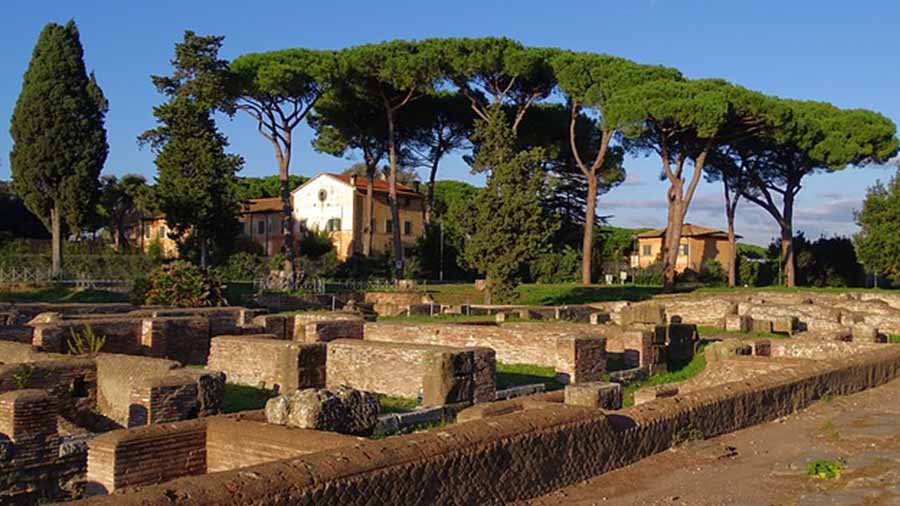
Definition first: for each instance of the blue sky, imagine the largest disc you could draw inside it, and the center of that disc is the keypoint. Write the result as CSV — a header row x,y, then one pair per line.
x,y
843,52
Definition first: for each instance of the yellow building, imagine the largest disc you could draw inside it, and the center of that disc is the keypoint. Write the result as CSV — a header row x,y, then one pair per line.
x,y
335,203
699,245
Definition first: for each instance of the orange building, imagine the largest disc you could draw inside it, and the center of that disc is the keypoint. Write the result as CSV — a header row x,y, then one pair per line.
x,y
699,245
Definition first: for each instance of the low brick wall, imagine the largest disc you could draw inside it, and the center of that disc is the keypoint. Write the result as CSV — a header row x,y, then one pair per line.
x,y
233,444
442,374
70,382
118,375
515,343
145,456
262,361
520,455
292,326
706,311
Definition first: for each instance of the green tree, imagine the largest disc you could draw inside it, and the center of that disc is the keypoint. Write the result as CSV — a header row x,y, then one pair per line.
x,y
439,124
589,82
265,187
494,71
393,74
196,184
683,122
814,137
123,201
59,139
878,241
278,89
507,226
345,122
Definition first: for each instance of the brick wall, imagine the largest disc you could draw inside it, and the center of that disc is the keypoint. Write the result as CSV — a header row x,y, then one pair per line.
x,y
260,360
443,374
514,343
145,456
70,382
233,444
520,455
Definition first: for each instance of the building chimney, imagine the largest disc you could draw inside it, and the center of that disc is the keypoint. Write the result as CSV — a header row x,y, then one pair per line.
x,y
353,180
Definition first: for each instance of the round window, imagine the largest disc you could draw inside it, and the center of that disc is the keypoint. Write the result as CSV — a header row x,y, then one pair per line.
x,y
323,195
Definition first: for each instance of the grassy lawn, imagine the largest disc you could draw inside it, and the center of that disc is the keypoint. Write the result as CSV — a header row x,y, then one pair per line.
x,y
513,375
244,398
62,294
713,332
392,404
551,294
676,373
894,339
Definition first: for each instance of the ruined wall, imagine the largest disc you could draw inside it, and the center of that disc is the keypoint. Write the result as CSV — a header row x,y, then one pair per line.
x,y
70,382
514,343
233,444
441,374
117,375
145,456
519,455
262,361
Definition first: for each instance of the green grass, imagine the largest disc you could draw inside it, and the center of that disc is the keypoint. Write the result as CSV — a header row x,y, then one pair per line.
x,y
894,339
825,469
546,294
244,398
62,294
706,332
392,404
676,373
513,375
239,294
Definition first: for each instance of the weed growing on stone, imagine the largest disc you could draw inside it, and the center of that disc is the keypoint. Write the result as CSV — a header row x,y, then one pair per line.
x,y
825,469
685,435
23,376
86,343
392,404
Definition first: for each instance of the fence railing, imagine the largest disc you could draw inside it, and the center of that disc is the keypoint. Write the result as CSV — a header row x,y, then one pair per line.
x,y
40,276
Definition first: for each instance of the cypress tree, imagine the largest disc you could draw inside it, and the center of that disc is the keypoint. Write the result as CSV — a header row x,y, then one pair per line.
x,y
59,135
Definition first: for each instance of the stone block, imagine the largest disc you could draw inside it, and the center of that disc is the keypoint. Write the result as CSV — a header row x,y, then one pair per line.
x,y
637,344
682,340
580,359
344,410
785,325
598,394
738,323
864,333
761,326
448,378
325,331
598,318
762,348
643,313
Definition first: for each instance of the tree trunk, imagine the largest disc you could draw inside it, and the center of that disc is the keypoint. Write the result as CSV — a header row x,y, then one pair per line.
x,y
392,198
287,222
430,197
587,242
732,243
56,242
672,239
369,210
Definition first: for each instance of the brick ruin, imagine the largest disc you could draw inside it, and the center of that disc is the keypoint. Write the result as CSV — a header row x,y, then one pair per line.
x,y
171,443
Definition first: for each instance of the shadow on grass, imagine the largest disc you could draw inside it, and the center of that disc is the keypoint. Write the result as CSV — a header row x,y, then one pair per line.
x,y
514,375
62,294
572,295
244,398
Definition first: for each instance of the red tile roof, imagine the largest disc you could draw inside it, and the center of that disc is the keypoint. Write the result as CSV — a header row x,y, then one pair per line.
x,y
378,185
688,230
264,205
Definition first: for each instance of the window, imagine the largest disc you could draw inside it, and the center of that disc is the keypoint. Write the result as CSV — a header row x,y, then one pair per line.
x,y
246,227
683,250
388,226
260,227
271,225
146,231
333,225
407,228
648,250
161,232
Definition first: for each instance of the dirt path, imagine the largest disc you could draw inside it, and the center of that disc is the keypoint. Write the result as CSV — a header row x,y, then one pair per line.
x,y
766,464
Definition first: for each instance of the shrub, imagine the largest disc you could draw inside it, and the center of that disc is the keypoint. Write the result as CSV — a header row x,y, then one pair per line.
x,y
241,267
563,266
183,284
651,275
713,274
315,244
825,469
